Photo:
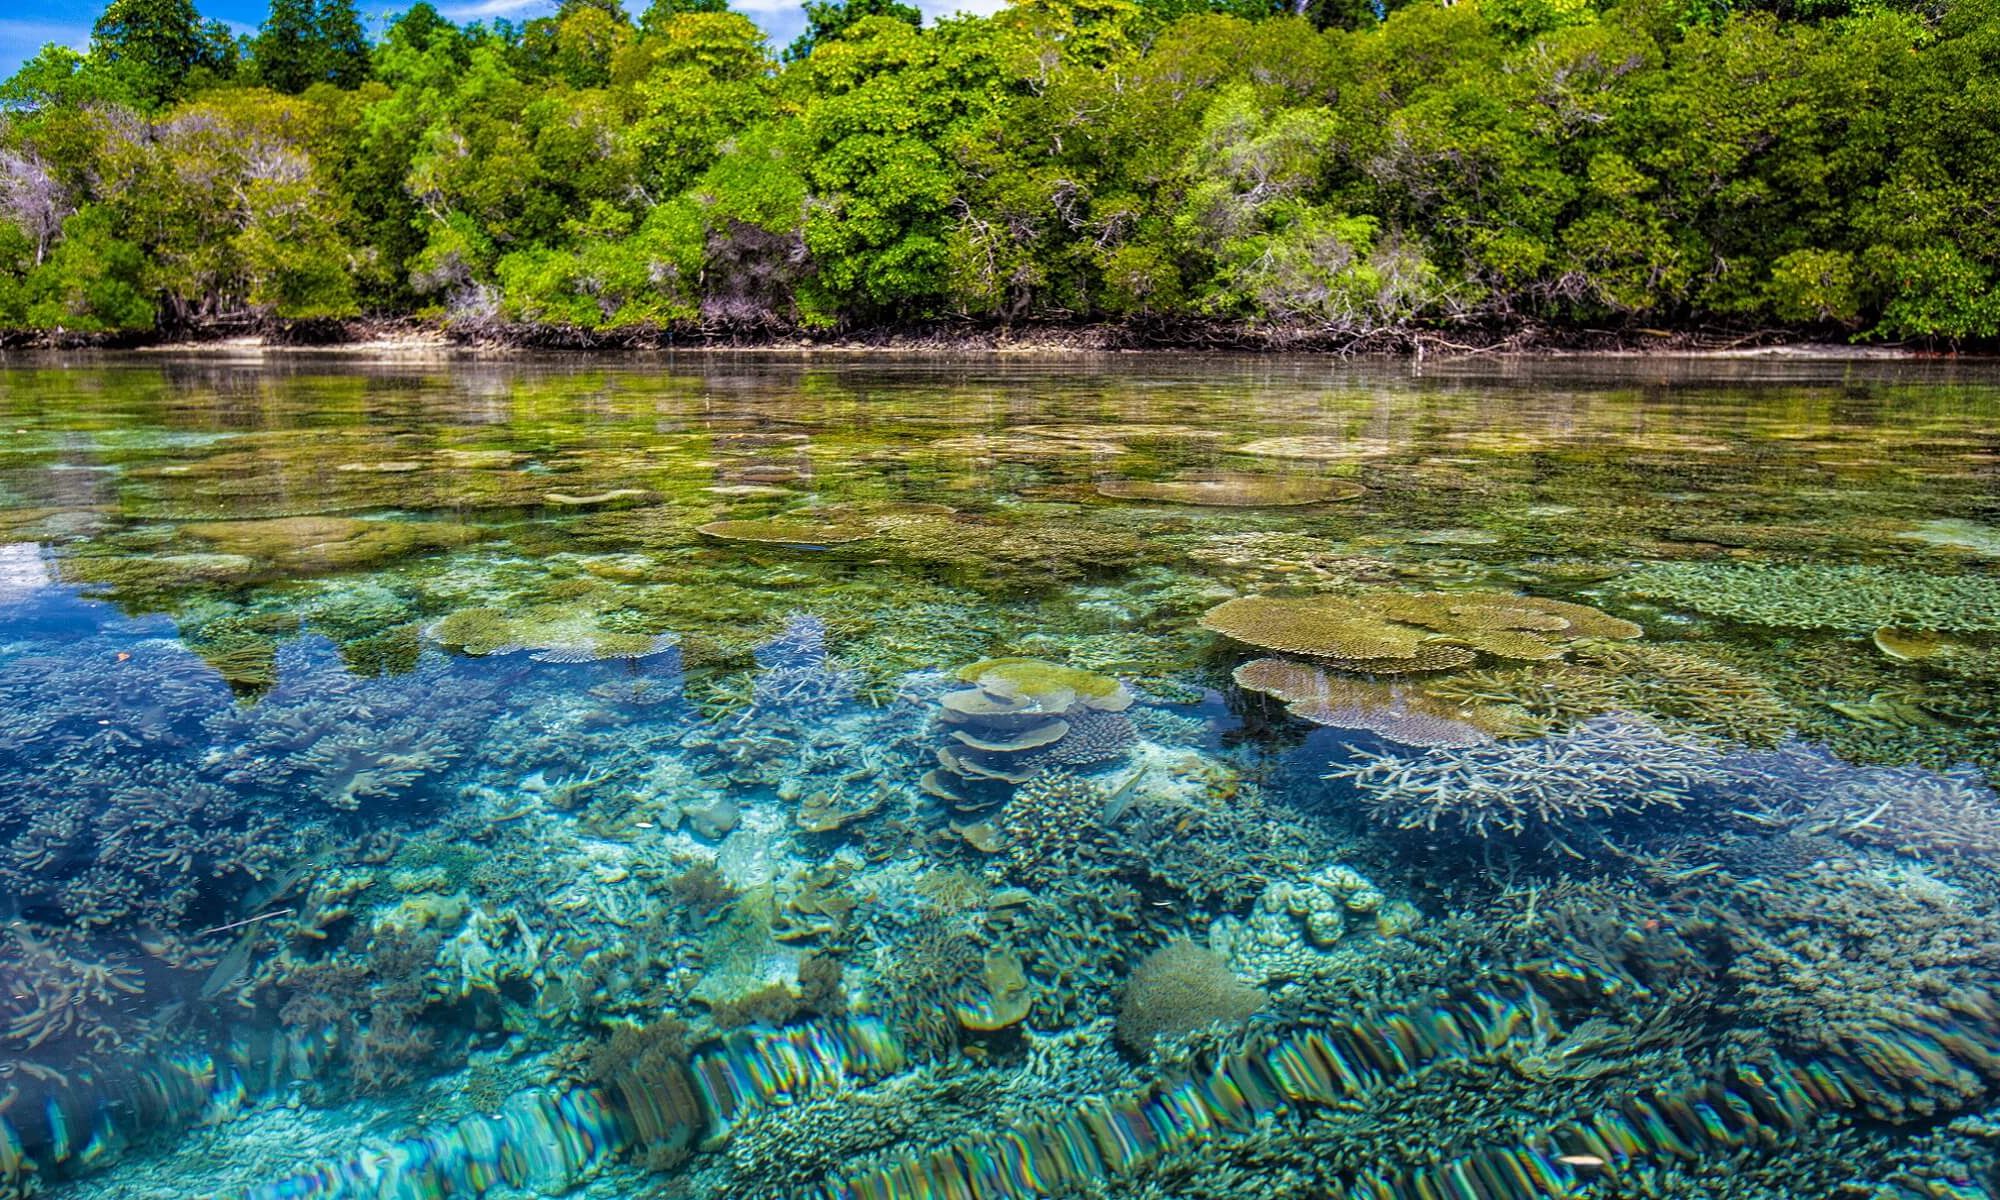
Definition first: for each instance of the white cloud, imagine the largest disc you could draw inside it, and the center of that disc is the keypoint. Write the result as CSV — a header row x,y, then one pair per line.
x,y
971,8
486,10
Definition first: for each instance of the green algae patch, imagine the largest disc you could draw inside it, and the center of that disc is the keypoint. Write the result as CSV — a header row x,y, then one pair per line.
x,y
780,531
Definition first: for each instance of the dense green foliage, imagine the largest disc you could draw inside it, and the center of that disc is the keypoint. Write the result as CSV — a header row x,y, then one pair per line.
x,y
1652,162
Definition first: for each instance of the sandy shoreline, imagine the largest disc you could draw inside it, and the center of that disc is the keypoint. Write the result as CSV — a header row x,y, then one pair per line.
x,y
366,338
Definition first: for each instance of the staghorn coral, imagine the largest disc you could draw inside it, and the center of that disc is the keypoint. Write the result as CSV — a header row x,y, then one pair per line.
x,y
1179,988
1691,690
345,769
1850,599
1235,489
327,732
797,671
58,1003
1948,814
1609,765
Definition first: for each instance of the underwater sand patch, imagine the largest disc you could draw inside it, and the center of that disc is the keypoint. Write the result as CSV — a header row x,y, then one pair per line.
x,y
1002,445
1117,432
1315,447
1951,533
616,497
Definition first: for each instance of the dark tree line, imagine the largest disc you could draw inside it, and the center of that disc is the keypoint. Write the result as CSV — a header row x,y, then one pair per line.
x,y
1320,165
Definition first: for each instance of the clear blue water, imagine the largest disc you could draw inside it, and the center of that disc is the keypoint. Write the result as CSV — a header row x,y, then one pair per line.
x,y
1147,776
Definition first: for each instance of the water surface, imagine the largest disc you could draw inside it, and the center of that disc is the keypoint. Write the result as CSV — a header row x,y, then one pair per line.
x,y
1140,776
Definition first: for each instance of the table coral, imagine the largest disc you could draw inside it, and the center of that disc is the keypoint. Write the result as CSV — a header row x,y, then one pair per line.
x,y
1850,599
1021,717
1401,713
1235,490
1390,632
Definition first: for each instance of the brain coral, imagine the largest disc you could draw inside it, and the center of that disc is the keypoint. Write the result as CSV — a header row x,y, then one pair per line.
x,y
1852,599
1179,988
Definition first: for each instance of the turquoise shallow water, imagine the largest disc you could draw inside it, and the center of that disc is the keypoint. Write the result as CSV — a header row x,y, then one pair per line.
x,y
999,777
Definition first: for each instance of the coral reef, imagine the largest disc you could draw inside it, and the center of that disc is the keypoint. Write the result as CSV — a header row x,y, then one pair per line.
x,y
1875,963
1296,923
735,888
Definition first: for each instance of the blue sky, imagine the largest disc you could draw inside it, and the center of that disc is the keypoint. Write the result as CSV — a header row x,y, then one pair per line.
x,y
30,23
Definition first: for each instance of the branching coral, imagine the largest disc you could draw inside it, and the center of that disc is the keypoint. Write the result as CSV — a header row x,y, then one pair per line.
x,y
797,671
53,998
1883,965
347,768
345,738
1606,766
1950,814
1851,599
